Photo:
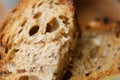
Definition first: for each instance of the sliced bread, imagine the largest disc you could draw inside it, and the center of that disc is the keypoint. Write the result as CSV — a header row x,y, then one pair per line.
x,y
37,39
98,51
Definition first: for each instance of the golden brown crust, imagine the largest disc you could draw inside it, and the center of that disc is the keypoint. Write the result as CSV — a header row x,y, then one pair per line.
x,y
2,32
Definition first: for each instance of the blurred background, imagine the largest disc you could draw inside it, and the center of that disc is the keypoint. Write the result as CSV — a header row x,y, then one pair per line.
x,y
5,7
86,9
8,3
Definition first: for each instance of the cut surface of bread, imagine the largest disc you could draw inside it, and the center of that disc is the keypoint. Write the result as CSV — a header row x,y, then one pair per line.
x,y
38,38
98,51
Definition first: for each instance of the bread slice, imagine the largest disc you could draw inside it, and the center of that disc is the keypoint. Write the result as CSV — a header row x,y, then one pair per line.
x,y
98,51
38,38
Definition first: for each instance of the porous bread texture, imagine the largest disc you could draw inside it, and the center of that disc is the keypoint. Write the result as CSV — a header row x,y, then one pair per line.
x,y
98,51
38,38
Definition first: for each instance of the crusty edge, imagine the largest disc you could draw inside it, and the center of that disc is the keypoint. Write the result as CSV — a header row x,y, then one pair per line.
x,y
2,32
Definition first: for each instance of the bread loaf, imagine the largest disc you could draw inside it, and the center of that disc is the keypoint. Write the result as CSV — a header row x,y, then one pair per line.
x,y
37,39
98,51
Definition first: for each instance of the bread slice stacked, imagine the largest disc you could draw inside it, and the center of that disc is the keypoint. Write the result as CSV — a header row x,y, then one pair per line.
x,y
37,39
98,51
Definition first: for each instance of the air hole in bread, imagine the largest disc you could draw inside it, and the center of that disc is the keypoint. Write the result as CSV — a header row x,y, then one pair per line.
x,y
119,68
33,30
87,74
64,19
24,22
109,45
99,67
33,6
67,75
7,40
20,31
11,53
25,77
106,20
39,4
6,50
53,25
16,50
33,77
37,15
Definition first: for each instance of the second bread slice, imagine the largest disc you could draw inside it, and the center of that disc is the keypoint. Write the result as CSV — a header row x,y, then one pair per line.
x,y
98,51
